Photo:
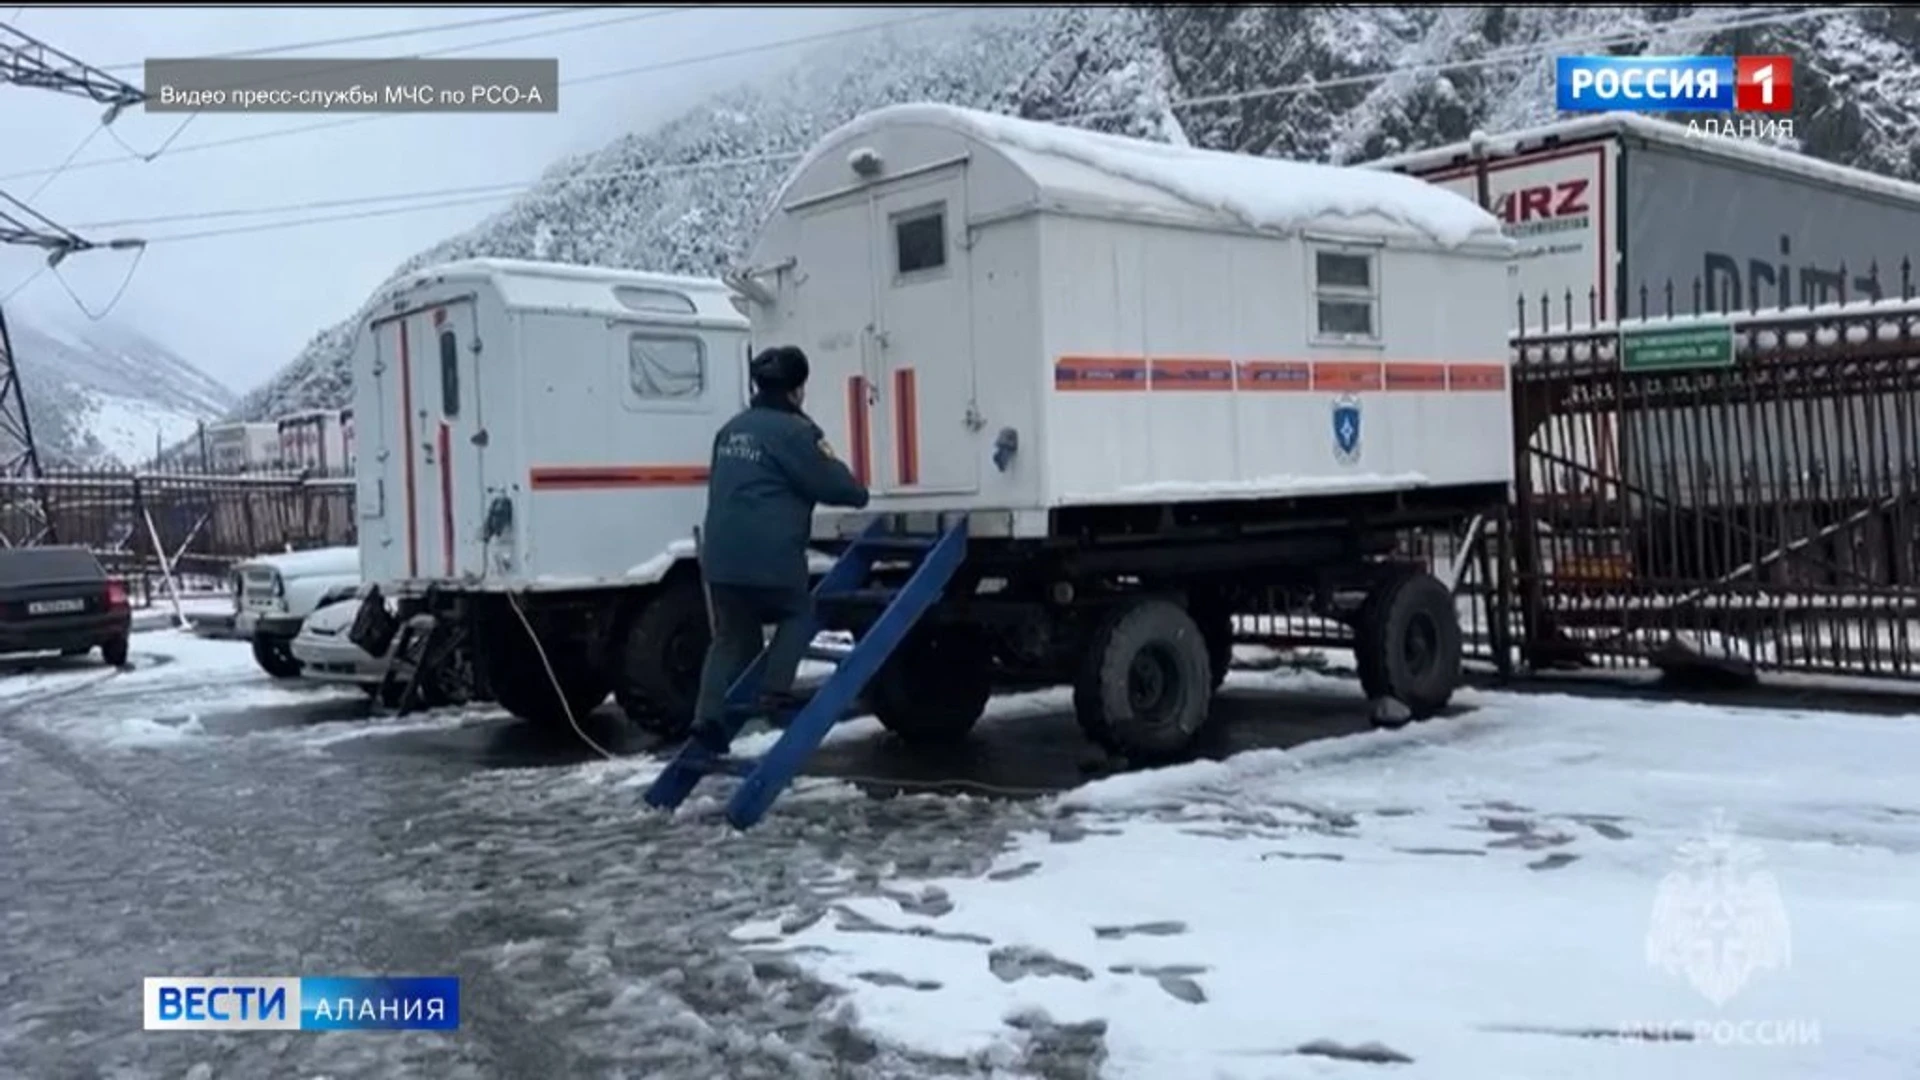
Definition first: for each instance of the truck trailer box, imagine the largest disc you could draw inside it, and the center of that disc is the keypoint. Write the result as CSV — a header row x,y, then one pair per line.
x,y
1009,318
1599,208
243,447
1623,217
313,441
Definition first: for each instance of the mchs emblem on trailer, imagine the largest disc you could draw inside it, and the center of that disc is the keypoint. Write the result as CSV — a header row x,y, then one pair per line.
x,y
1346,428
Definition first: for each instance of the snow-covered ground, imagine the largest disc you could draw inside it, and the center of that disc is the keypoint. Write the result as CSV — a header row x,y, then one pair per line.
x,y
130,429
1548,886
1541,886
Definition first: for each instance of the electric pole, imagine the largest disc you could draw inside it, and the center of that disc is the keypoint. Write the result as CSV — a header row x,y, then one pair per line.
x,y
28,61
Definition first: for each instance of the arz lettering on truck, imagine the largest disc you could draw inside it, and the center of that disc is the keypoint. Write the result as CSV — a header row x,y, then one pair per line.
x,y
1544,208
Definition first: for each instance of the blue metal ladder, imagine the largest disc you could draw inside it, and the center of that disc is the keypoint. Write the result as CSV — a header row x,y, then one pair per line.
x,y
764,778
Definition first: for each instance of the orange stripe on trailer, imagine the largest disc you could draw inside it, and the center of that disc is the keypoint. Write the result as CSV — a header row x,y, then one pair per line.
x,y
1347,376
906,428
1416,376
601,477
1177,374
1099,373
446,495
858,438
1472,377
406,442
1269,375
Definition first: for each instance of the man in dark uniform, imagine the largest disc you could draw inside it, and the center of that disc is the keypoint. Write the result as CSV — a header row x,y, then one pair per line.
x,y
771,466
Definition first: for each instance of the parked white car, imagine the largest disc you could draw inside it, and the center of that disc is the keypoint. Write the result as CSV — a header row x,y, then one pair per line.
x,y
325,654
274,594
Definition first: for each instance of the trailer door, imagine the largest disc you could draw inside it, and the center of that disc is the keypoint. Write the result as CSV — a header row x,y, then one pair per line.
x,y
835,283
925,436
451,451
434,367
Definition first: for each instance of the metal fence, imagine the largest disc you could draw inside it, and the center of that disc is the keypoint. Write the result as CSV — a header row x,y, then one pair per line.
x,y
147,525
1742,479
1739,481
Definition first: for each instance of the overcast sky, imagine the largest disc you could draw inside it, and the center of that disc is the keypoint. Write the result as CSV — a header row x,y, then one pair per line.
x,y
241,306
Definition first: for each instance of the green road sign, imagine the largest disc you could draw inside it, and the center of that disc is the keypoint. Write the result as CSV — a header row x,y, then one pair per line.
x,y
1677,349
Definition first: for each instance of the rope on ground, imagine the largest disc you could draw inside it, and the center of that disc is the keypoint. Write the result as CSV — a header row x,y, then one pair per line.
x,y
554,680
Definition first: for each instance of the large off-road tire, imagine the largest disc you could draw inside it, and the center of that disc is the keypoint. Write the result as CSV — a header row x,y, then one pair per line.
x,y
935,686
1146,683
275,658
1407,643
1215,621
522,686
114,652
659,658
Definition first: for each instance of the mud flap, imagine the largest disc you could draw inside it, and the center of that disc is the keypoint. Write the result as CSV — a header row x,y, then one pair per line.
x,y
417,675
373,626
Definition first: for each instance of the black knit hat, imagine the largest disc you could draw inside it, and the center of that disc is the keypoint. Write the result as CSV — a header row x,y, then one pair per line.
x,y
780,369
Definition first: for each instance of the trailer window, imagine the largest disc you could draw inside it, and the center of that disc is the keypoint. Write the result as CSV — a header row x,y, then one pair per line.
x,y
672,368
644,299
1346,294
920,240
449,374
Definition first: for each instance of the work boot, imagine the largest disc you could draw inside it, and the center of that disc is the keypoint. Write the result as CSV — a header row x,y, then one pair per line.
x,y
704,741
779,708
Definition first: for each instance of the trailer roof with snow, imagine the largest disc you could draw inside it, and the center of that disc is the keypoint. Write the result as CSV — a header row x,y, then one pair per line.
x,y
1659,133
1257,328
560,288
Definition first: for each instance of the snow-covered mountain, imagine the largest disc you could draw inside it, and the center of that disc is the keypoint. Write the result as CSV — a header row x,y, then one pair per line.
x,y
101,394
1857,83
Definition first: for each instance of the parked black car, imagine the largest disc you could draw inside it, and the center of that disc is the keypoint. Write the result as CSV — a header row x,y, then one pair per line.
x,y
60,599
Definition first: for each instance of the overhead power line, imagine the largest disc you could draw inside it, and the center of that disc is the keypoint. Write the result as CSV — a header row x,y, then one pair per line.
x,y
383,35
363,63
643,69
442,198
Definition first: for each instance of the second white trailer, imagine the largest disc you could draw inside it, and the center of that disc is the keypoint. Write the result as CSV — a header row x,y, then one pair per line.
x,y
1153,381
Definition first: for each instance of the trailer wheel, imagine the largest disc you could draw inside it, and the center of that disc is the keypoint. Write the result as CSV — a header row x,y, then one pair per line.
x,y
275,658
661,654
1146,682
934,687
521,685
1407,643
1216,626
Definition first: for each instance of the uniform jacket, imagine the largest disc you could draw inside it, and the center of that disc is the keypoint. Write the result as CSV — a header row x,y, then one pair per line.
x,y
771,467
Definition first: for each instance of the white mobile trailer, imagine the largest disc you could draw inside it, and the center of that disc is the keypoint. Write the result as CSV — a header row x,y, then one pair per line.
x,y
533,440
1077,341
243,447
1607,212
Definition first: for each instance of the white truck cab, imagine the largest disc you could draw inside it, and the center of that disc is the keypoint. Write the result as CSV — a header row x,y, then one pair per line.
x,y
274,594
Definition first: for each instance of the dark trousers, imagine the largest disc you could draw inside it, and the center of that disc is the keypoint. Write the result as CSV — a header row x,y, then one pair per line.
x,y
738,614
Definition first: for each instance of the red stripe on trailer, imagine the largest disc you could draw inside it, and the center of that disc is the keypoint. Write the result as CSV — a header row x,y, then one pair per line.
x,y
906,424
446,495
1099,373
1346,376
1178,374
857,435
602,477
1418,377
406,452
1271,375
1471,377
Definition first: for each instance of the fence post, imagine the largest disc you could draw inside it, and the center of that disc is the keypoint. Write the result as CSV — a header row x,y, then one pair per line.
x,y
139,516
